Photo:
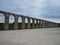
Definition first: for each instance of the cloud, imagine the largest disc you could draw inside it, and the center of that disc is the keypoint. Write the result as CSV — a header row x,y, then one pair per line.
x,y
52,11
44,9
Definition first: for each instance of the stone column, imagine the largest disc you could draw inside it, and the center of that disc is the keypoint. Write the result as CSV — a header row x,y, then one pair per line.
x,y
56,25
52,24
43,23
28,23
16,23
6,24
33,23
36,23
23,22
48,25
39,23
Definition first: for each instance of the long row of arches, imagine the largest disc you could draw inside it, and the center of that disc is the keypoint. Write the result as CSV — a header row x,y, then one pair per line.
x,y
15,21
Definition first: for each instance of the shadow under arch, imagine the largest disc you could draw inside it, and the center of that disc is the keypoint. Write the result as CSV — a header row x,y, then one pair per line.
x,y
19,22
11,22
2,21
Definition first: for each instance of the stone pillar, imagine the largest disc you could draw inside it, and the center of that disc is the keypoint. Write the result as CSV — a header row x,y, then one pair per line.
x,y
43,23
33,23
39,23
48,24
23,22
56,25
16,23
6,24
51,25
36,23
28,23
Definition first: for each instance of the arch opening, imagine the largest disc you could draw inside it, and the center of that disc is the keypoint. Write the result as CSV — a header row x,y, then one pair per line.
x,y
19,22
11,22
26,23
31,23
38,24
41,24
2,21
35,23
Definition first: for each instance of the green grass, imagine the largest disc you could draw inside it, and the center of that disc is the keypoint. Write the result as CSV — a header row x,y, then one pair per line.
x,y
19,26
1,27
11,27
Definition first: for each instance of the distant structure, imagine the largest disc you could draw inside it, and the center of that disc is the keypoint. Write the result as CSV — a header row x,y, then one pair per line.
x,y
39,22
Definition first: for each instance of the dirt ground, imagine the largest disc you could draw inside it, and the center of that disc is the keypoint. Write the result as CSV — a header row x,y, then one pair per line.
x,y
43,36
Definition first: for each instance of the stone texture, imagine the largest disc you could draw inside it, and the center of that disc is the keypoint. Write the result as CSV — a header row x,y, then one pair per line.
x,y
33,23
16,23
29,23
23,22
6,24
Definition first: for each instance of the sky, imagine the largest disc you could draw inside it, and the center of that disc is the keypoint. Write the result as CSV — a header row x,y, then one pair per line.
x,y
42,9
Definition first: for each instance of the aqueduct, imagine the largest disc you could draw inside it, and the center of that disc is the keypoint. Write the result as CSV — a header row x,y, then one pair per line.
x,y
39,22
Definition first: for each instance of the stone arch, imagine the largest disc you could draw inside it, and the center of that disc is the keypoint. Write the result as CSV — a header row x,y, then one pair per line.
x,y
31,22
26,23
19,22
26,20
19,19
11,22
41,23
38,24
38,21
35,23
2,21
11,19
45,24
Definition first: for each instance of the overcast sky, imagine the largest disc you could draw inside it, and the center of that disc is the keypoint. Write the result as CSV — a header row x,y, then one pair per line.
x,y
42,9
